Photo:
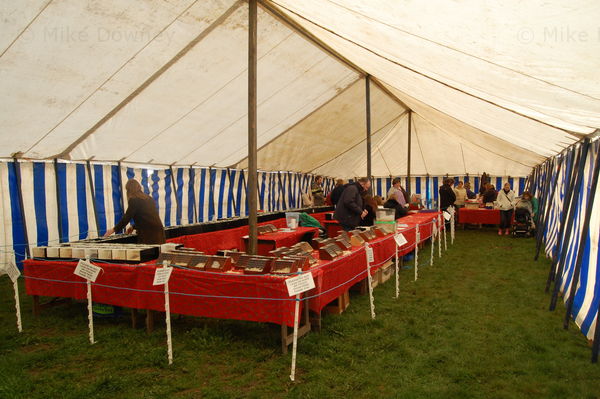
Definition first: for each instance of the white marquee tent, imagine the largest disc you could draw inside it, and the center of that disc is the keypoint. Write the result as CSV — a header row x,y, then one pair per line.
x,y
494,87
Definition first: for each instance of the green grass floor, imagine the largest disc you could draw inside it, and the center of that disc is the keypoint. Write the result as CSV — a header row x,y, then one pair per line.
x,y
475,325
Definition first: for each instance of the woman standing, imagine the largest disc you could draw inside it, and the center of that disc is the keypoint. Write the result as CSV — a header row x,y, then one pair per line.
x,y
142,210
461,195
506,199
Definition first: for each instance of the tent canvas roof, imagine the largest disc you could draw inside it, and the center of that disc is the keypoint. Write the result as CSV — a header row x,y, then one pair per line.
x,y
492,87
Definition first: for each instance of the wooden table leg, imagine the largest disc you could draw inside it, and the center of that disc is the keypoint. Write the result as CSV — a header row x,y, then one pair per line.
x,y
36,305
284,338
134,318
149,321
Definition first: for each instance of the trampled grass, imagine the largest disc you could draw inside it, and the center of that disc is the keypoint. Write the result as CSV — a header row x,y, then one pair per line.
x,y
475,325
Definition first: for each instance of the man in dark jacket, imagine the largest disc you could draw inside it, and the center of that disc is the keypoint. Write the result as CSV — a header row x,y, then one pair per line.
x,y
349,210
447,195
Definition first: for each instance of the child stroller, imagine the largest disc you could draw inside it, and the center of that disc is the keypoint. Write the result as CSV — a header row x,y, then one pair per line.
x,y
522,225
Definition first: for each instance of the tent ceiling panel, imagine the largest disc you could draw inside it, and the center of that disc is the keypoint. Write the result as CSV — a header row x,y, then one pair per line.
x,y
202,98
468,133
434,152
165,82
507,125
16,16
65,55
338,125
488,61
193,23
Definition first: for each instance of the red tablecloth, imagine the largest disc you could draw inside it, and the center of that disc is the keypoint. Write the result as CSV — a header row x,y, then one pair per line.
x,y
479,216
227,296
193,292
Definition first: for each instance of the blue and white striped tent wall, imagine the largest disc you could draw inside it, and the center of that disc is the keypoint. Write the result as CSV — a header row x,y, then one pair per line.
x,y
587,295
183,195
590,248
428,186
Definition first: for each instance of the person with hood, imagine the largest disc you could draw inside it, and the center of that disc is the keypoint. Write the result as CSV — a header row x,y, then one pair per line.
x,y
349,210
142,210
506,200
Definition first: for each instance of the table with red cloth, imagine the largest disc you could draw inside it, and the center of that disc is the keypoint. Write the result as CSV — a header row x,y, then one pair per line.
x,y
261,298
479,216
278,239
335,277
211,242
192,292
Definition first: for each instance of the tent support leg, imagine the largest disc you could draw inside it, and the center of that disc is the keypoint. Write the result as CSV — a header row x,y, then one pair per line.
x,y
368,117
92,192
252,142
409,150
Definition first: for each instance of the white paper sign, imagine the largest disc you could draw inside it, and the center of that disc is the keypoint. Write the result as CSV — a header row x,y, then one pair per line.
x,y
400,239
87,271
370,256
162,275
12,270
447,216
299,284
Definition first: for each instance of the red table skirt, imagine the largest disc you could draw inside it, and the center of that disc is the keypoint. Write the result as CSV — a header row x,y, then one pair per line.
x,y
261,298
479,216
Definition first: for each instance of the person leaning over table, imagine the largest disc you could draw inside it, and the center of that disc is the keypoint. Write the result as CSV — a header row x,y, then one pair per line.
x,y
490,194
317,191
370,206
337,191
470,193
506,202
142,210
349,210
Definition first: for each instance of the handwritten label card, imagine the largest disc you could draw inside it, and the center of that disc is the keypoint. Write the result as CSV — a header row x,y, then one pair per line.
x,y
299,284
87,271
162,275
400,239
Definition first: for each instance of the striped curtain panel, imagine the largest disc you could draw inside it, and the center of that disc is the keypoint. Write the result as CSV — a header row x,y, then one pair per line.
x,y
428,186
67,201
553,179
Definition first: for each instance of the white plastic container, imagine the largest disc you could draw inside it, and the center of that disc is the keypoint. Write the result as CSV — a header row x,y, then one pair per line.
x,y
292,219
385,214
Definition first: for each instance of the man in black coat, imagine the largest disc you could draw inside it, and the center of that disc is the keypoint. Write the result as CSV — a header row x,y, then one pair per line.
x,y
447,195
349,210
